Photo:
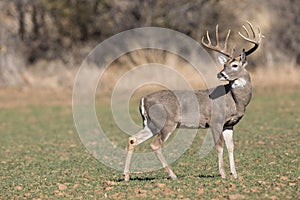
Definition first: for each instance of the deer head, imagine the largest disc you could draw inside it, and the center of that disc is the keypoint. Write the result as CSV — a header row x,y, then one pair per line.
x,y
234,67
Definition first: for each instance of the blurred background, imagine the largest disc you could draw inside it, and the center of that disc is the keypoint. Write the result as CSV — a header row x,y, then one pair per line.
x,y
44,42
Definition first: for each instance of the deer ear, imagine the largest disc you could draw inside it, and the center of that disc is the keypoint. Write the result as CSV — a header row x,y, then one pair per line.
x,y
222,59
243,57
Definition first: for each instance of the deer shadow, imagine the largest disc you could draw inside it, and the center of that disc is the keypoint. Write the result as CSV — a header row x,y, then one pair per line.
x,y
146,179
207,176
136,179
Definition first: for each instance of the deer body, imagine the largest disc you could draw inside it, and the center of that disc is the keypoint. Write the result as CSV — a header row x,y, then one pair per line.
x,y
166,110
237,99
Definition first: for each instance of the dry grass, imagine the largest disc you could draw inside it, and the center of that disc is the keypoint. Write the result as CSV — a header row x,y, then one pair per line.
x,y
46,84
277,77
284,76
22,97
142,57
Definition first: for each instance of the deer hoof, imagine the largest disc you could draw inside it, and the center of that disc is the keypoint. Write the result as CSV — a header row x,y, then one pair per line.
x,y
173,177
223,175
234,175
126,177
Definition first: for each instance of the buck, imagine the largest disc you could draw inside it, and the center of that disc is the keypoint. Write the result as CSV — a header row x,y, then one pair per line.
x,y
171,112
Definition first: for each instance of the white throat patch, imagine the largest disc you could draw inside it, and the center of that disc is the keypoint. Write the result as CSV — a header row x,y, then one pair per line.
x,y
240,82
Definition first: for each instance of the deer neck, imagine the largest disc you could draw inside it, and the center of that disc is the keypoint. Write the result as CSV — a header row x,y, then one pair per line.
x,y
241,90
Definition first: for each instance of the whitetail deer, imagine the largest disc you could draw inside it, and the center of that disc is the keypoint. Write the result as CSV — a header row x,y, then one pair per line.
x,y
237,95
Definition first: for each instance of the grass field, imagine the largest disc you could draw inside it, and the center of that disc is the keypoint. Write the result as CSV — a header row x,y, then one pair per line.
x,y
42,157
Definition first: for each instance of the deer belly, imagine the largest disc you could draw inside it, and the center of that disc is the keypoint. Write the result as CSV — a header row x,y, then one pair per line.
x,y
204,123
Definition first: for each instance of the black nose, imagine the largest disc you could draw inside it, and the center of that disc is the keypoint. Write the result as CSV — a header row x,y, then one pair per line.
x,y
221,75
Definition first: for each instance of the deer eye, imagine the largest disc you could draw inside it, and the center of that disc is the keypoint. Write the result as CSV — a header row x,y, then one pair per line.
x,y
234,66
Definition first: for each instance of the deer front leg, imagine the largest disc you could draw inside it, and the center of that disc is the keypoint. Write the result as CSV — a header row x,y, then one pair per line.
x,y
218,139
133,141
219,147
228,137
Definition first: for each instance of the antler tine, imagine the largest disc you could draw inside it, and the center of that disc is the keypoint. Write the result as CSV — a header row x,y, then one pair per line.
x,y
217,48
232,51
247,38
260,36
244,27
255,39
251,27
226,40
208,38
217,35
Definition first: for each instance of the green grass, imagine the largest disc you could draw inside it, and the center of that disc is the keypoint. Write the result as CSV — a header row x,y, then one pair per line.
x,y
42,157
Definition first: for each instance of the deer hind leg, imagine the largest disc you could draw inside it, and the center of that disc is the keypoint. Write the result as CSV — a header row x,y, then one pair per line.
x,y
228,137
157,144
133,141
218,139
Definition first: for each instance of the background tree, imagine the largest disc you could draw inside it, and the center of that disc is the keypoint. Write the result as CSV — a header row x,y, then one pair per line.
x,y
64,29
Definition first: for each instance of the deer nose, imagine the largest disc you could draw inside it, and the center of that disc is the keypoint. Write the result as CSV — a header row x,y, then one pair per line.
x,y
222,76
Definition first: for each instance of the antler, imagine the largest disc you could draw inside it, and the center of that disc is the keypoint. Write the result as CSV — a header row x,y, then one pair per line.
x,y
256,37
218,48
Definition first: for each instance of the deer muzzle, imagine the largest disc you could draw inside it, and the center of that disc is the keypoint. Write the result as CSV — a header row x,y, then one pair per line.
x,y
222,76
